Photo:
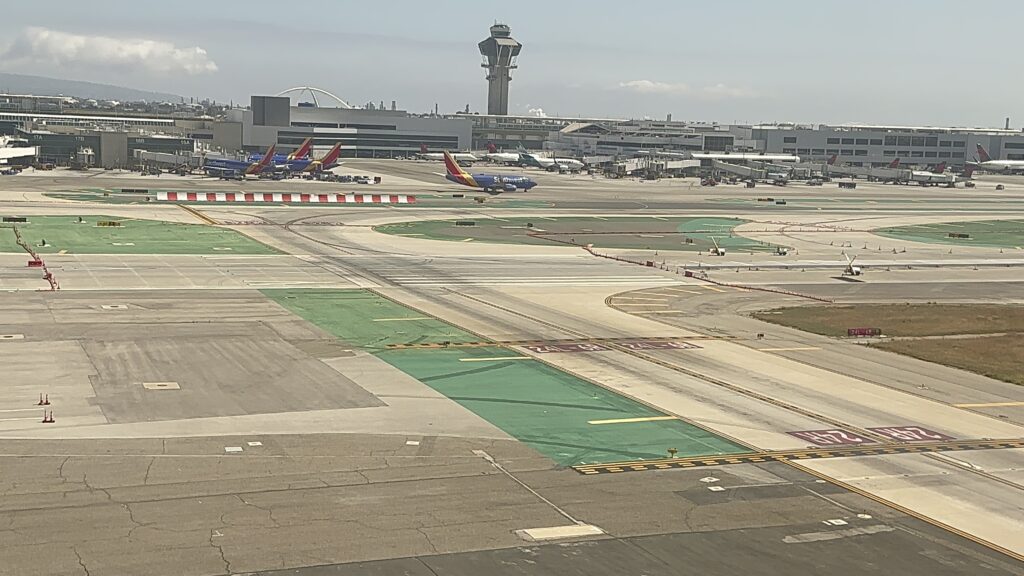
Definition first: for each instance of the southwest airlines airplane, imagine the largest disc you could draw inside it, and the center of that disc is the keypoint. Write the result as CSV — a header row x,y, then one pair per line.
x,y
490,183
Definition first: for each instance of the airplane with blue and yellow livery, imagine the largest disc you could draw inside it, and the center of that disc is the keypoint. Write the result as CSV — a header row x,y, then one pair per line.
x,y
490,183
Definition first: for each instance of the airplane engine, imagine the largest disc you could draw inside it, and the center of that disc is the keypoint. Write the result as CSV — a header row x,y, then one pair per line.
x,y
509,187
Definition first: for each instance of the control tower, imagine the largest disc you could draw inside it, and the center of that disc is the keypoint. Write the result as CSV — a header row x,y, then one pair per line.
x,y
500,52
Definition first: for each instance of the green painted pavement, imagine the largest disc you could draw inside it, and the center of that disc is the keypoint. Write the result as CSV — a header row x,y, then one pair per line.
x,y
64,233
992,233
550,409
535,403
365,319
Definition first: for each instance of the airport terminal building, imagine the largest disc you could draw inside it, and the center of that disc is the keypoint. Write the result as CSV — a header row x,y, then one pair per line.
x,y
363,133
868,145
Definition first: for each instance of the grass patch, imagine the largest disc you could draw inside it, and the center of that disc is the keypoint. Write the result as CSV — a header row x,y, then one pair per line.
x,y
1000,357
901,319
65,233
992,233
635,233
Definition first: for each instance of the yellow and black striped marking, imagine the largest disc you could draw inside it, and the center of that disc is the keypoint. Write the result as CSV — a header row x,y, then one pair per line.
x,y
553,342
787,455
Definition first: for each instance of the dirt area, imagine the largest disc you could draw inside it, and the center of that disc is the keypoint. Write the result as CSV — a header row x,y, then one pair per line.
x,y
901,319
998,354
1000,357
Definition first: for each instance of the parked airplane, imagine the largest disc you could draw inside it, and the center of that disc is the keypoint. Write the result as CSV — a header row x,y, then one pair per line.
x,y
939,176
328,161
231,168
985,162
490,183
553,164
493,155
302,151
464,157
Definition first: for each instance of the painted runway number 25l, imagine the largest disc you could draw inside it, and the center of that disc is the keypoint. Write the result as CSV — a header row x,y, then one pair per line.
x,y
910,434
834,437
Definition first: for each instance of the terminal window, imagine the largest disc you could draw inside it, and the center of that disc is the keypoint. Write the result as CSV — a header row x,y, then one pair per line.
x,y
917,141
789,139
930,154
917,154
803,150
959,144
945,144
943,154
832,141
832,151
849,141
862,141
958,154
931,141
876,141
889,153
1015,156
861,153
903,140
818,151
1014,145
847,152
890,141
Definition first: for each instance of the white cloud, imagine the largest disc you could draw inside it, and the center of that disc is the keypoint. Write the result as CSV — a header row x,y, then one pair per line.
x,y
538,112
44,47
651,87
713,92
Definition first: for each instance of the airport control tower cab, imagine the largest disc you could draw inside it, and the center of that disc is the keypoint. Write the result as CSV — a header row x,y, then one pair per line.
x,y
499,52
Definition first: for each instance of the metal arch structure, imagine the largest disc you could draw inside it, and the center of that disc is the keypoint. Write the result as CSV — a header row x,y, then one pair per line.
x,y
313,91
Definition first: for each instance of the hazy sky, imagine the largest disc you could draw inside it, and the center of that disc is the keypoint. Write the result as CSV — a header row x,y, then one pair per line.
x,y
914,62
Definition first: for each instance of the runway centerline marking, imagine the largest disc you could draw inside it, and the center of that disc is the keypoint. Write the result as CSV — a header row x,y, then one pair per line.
x,y
402,319
714,288
632,420
988,405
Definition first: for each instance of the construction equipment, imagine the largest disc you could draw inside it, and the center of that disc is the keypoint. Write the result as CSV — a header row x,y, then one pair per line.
x,y
717,250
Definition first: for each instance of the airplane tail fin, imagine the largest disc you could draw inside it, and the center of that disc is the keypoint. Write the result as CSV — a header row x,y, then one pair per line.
x,y
832,160
423,149
968,171
983,154
940,168
895,163
264,161
331,158
452,166
303,150
491,147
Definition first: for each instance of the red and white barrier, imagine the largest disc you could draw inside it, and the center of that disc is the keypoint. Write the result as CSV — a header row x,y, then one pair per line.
x,y
279,197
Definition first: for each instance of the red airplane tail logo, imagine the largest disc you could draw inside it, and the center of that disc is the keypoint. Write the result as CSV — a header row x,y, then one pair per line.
x,y
332,155
983,154
968,171
895,163
940,168
491,147
264,162
303,150
832,160
423,148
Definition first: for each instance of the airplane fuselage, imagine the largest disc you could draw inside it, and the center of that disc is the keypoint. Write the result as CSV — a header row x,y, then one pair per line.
x,y
496,182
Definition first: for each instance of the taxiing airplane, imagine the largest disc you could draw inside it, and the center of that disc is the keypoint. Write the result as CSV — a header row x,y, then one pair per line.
x,y
490,183
464,157
231,168
985,162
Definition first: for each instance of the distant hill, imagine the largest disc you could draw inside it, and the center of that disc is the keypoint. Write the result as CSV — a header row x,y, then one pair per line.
x,y
43,86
